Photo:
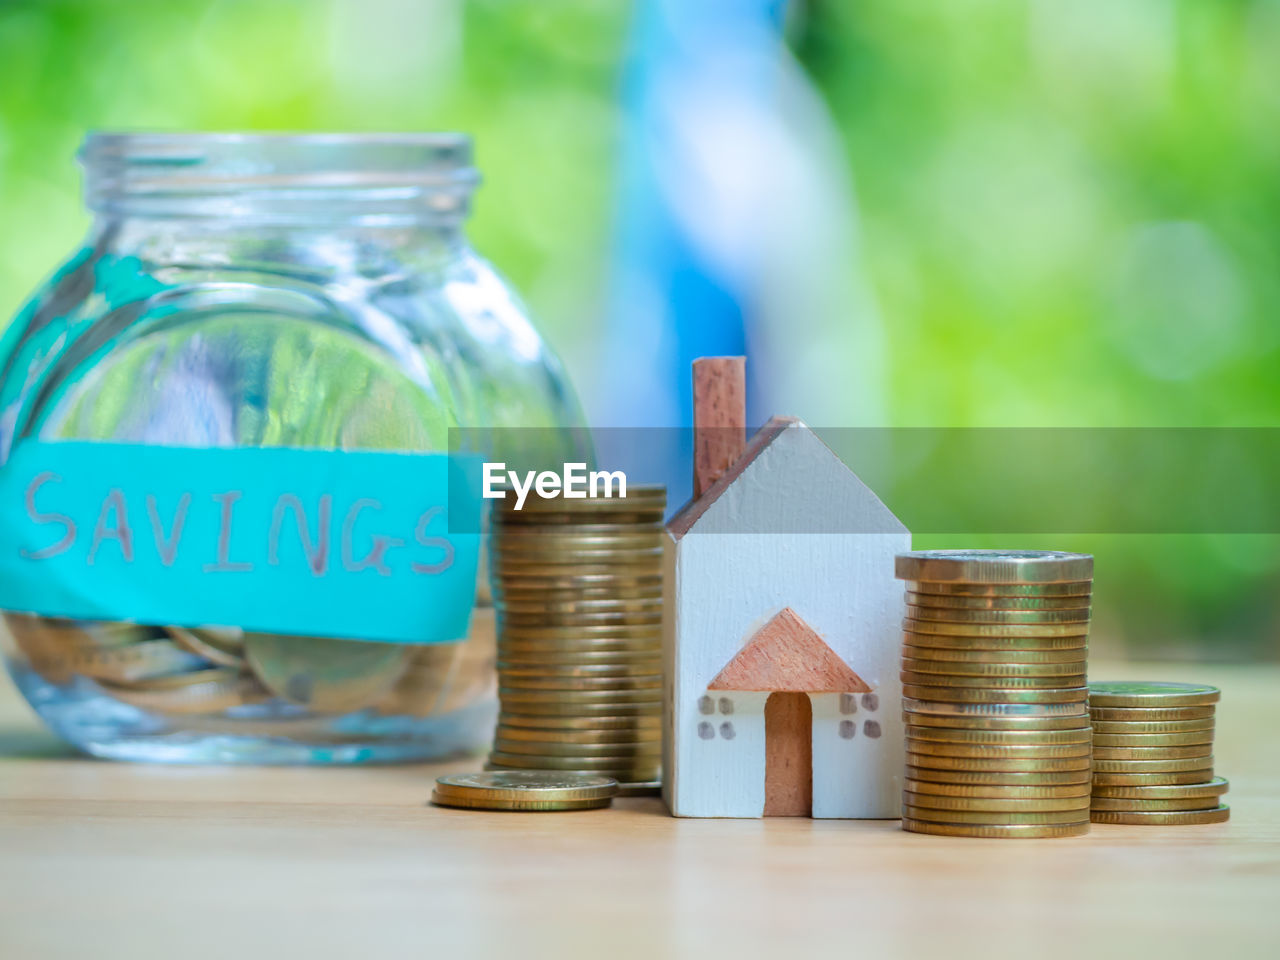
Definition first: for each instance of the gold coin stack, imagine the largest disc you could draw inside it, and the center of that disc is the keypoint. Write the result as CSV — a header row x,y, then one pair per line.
x,y
578,589
1153,754
994,693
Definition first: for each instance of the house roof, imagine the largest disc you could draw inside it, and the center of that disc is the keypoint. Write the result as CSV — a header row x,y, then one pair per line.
x,y
688,515
787,655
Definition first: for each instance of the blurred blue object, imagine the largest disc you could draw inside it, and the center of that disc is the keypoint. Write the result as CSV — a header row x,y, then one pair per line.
x,y
675,296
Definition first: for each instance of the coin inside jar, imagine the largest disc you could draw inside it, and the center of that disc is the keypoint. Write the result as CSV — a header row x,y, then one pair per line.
x,y
324,674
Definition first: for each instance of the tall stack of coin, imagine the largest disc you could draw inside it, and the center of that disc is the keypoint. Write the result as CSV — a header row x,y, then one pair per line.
x,y
578,588
1153,754
994,693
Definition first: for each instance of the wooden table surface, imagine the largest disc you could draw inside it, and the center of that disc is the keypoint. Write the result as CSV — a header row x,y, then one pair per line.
x,y
106,860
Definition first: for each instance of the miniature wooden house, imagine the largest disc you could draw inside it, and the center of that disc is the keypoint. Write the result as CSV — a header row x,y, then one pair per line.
x,y
783,632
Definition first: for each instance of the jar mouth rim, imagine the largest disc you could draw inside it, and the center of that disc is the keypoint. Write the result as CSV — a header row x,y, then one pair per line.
x,y
268,168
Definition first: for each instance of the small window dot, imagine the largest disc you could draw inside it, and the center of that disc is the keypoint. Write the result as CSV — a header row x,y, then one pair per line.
x,y
847,729
871,701
706,731
726,705
726,730
706,705
871,728
848,703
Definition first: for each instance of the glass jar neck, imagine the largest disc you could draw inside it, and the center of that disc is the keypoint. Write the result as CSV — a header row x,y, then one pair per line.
x,y
325,181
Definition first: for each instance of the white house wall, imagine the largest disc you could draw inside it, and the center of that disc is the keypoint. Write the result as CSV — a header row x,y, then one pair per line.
x,y
724,586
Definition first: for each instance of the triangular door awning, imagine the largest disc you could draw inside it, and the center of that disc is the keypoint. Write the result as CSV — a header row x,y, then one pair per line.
x,y
786,655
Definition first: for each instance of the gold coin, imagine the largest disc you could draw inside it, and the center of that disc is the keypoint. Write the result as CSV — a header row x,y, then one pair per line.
x,y
600,536
955,682
579,526
998,751
203,692
1008,817
125,664
1011,778
1001,617
578,634
964,791
591,651
635,667
1142,740
993,831
1076,712
1130,804
1147,693
930,761
581,723
1173,765
586,663
994,644
611,751
631,685
1103,779
635,565
1152,753
205,646
525,787
428,674
947,655
626,735
563,708
1001,695
623,774
552,587
1214,787
510,561
576,621
1163,818
959,602
617,762
1072,735
525,806
1011,724
1153,714
629,667
993,566
1074,588
326,675
48,639
1135,727
956,670
1021,631
648,605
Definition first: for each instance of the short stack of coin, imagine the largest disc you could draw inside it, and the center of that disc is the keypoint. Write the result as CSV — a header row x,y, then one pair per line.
x,y
994,693
578,589
1153,754
531,791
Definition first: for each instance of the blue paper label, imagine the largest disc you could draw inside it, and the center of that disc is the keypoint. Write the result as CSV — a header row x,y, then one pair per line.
x,y
328,543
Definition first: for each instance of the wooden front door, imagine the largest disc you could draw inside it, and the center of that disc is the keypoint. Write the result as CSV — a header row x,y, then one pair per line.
x,y
788,770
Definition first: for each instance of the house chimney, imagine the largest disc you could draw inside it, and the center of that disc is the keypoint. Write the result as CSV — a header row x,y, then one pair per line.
x,y
719,417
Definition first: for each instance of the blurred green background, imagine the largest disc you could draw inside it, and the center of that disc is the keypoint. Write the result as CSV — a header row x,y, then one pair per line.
x,y
1068,213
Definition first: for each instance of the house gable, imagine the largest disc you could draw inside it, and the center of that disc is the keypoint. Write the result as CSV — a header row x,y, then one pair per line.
x,y
786,655
786,481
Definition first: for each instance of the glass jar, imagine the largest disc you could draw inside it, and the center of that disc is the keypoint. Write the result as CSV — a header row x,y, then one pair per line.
x,y
246,292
